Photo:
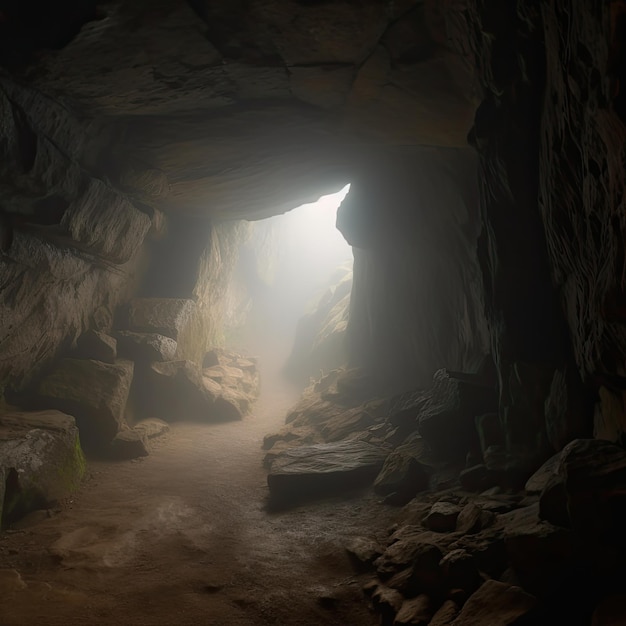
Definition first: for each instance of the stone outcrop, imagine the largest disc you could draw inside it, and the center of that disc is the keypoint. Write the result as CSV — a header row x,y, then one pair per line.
x,y
41,461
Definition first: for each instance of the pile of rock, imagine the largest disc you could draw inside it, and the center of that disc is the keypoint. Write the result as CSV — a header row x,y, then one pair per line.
x,y
549,554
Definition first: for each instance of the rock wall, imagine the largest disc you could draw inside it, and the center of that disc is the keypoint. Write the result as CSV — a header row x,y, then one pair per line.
x,y
417,302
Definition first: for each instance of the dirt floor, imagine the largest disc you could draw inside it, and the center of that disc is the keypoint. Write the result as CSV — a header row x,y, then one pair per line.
x,y
184,537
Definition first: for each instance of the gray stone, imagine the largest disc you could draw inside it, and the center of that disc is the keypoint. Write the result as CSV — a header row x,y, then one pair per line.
x,y
496,604
96,345
405,472
165,316
324,468
146,347
94,392
442,517
41,460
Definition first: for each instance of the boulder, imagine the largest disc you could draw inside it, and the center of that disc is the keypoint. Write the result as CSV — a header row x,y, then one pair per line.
x,y
469,519
324,468
442,517
538,481
417,553
363,551
134,442
96,345
404,472
387,602
346,423
145,347
496,604
93,391
165,316
41,461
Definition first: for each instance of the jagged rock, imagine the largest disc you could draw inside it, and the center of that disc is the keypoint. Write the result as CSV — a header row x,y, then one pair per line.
x,y
404,472
229,406
41,460
134,442
496,604
324,468
446,420
460,570
94,392
442,517
469,519
415,553
97,346
446,614
415,612
364,550
346,423
387,602
538,481
146,347
165,316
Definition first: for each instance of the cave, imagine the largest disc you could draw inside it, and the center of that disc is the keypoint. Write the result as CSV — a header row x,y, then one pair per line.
x,y
432,434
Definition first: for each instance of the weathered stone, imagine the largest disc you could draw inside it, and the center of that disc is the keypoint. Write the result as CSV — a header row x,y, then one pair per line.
x,y
469,519
446,614
146,347
404,472
129,444
41,461
416,554
165,316
415,612
94,392
442,517
538,481
460,570
324,468
345,424
229,406
151,428
497,604
387,602
364,551
96,345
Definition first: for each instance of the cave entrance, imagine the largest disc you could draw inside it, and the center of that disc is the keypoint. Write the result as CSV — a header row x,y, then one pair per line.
x,y
297,269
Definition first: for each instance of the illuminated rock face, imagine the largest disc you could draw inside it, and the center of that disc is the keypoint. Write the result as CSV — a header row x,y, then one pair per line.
x,y
133,136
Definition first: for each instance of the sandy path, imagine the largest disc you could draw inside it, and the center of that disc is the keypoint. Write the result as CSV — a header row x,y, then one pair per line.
x,y
183,537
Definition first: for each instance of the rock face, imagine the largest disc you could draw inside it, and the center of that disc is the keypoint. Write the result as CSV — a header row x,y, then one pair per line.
x,y
94,392
41,461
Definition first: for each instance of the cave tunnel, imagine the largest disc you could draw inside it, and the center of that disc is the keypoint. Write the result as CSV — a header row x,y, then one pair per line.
x,y
431,433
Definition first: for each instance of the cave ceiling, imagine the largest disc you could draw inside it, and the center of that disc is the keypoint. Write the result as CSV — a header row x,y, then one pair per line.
x,y
239,108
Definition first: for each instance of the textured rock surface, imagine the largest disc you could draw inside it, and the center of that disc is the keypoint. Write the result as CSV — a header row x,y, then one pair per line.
x,y
324,468
94,392
145,346
41,461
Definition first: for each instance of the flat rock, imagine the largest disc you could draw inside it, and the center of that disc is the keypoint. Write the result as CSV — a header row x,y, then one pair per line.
x,y
165,316
146,347
95,393
324,468
96,345
446,614
41,460
496,604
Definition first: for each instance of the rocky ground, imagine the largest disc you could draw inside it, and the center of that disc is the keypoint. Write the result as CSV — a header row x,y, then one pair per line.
x,y
480,537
